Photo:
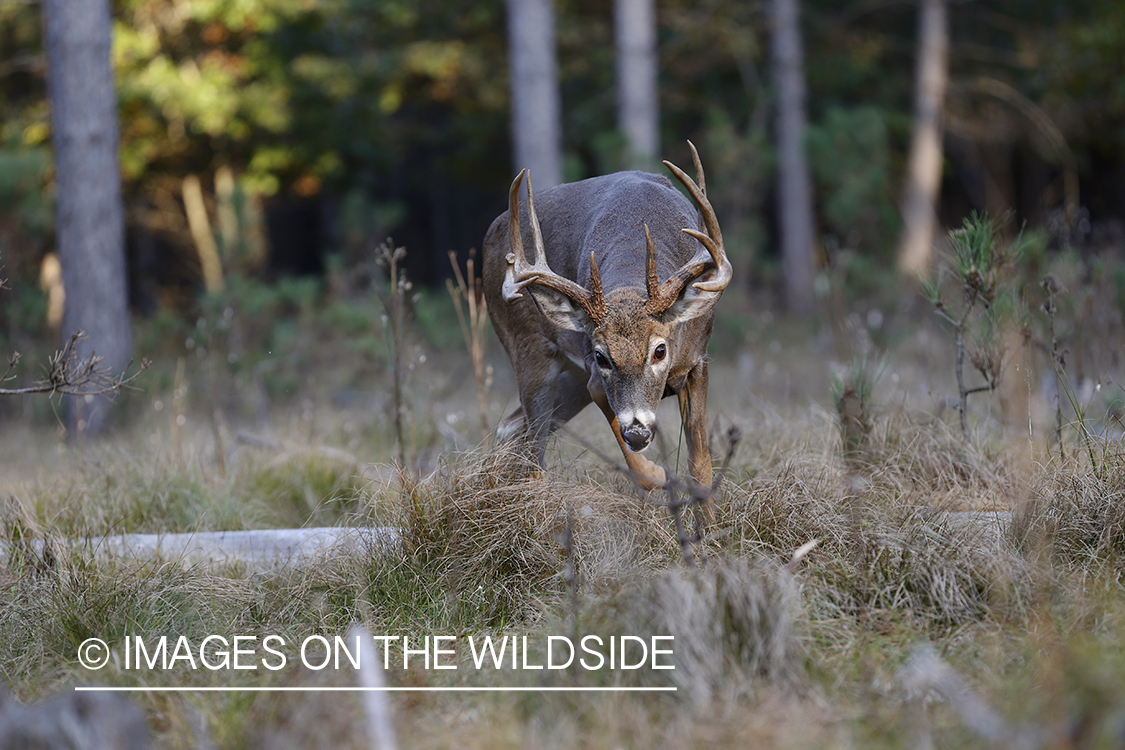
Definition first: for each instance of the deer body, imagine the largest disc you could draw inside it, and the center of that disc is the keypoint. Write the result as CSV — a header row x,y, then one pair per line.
x,y
618,309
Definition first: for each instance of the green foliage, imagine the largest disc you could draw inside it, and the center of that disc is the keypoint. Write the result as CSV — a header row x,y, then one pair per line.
x,y
931,288
978,257
743,163
850,157
373,101
23,178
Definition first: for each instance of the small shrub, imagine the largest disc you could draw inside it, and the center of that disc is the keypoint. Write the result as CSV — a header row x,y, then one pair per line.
x,y
852,395
982,266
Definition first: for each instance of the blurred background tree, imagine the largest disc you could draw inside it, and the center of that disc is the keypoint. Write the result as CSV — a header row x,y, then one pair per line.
x,y
90,224
638,104
923,170
533,72
794,194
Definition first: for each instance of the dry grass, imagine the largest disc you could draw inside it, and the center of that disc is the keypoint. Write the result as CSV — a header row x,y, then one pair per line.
x,y
920,455
736,624
880,550
125,488
769,651
500,516
1077,516
69,598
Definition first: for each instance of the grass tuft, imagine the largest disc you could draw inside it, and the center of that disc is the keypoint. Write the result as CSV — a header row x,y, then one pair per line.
x,y
1077,516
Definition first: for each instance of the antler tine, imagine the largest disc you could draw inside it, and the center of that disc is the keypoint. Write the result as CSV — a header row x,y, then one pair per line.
x,y
521,274
698,169
536,230
652,282
662,298
712,240
514,278
514,233
597,298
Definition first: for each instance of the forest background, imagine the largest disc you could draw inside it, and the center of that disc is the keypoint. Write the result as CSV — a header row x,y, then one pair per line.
x,y
295,137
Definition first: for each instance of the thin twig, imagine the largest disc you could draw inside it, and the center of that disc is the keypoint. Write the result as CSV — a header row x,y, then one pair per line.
x,y
12,362
389,258
960,341
468,290
681,493
70,377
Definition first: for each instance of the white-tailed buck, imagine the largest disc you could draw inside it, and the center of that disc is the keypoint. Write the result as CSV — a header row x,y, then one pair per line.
x,y
622,281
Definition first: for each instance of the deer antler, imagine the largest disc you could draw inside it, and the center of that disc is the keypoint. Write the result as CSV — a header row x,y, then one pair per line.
x,y
713,253
521,274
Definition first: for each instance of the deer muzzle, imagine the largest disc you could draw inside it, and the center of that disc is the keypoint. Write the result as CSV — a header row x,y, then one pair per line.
x,y
637,434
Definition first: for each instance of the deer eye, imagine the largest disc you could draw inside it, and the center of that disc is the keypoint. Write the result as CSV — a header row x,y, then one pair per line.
x,y
601,359
659,353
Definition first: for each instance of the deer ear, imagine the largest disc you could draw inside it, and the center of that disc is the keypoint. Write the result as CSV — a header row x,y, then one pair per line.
x,y
559,309
690,304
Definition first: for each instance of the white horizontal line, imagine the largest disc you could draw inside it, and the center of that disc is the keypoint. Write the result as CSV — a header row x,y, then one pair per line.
x,y
290,689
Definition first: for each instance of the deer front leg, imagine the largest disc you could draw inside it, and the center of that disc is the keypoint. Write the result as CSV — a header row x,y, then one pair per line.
x,y
647,474
693,413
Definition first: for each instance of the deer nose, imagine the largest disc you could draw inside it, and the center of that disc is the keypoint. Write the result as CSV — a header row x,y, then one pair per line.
x,y
637,436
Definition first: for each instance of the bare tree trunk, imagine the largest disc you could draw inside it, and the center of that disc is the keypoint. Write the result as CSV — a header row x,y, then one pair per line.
x,y
794,193
638,106
90,219
923,175
200,226
536,132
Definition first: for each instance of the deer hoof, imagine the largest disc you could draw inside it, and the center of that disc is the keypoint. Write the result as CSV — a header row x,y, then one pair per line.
x,y
653,478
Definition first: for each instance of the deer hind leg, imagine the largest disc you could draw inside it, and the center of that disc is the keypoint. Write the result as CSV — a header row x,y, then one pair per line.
x,y
646,473
511,426
532,420
571,397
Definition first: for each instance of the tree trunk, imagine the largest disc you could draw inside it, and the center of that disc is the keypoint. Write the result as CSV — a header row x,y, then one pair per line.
x,y
923,175
794,194
200,227
536,132
638,108
90,220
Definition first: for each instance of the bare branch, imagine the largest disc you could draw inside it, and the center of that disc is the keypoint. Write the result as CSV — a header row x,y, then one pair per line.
x,y
70,375
12,362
